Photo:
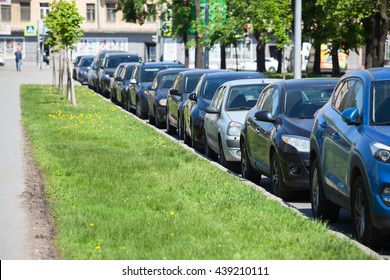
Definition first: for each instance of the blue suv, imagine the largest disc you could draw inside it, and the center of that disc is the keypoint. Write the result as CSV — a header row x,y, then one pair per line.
x,y
350,155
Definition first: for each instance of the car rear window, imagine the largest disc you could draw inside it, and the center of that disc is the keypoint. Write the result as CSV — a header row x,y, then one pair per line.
x,y
148,74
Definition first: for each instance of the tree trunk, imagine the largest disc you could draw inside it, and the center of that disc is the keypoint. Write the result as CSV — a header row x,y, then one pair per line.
x,y
199,46
223,57
280,57
61,71
69,64
317,59
186,52
260,52
53,62
377,26
335,60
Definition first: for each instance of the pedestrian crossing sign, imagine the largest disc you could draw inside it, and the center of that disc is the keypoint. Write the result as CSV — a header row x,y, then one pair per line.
x,y
30,30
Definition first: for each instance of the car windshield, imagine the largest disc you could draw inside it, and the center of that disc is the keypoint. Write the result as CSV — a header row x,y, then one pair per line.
x,y
113,62
304,102
243,97
211,86
191,82
380,102
86,62
148,74
167,80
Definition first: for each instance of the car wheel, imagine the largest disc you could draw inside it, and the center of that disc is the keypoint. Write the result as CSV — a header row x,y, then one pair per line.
x,y
247,170
170,129
207,149
366,233
139,110
152,119
279,187
159,124
187,139
128,105
221,156
180,127
272,69
194,144
322,208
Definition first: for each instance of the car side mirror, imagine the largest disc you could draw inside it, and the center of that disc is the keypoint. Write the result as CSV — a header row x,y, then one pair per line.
x,y
133,81
264,116
212,110
174,91
351,116
192,96
151,88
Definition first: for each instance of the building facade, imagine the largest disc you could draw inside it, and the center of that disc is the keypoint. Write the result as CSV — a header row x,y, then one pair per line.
x,y
104,28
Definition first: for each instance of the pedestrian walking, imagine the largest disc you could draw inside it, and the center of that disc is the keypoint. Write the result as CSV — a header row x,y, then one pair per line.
x,y
18,59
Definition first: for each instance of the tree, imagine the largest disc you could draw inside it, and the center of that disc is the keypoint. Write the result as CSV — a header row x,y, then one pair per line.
x,y
64,22
355,23
270,20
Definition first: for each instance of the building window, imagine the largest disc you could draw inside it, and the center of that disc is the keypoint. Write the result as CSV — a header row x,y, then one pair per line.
x,y
44,9
111,17
24,11
5,12
90,12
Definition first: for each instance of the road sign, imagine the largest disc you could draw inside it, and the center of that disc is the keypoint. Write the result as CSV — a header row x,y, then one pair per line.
x,y
30,30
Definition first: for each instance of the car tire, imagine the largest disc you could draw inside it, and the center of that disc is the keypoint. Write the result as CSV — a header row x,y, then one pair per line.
x,y
221,156
180,130
152,119
187,139
322,208
194,144
271,69
208,152
366,233
159,124
138,110
247,169
170,129
279,187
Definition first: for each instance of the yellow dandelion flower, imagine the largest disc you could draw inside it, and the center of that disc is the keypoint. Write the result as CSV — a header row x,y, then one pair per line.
x,y
97,247
91,225
171,213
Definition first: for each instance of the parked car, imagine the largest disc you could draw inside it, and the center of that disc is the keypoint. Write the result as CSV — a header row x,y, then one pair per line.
x,y
271,65
225,117
114,79
93,81
350,155
141,78
157,95
83,68
275,137
2,60
108,66
75,65
194,109
183,85
122,85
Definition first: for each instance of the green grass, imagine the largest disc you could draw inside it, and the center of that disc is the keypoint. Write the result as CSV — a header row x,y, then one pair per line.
x,y
120,190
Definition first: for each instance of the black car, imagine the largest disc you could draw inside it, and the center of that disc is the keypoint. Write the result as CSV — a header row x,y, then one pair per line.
x,y
183,85
115,78
108,66
157,95
274,140
141,78
83,68
93,81
194,109
122,85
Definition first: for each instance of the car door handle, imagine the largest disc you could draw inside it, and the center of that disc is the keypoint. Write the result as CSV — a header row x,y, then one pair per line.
x,y
258,130
323,124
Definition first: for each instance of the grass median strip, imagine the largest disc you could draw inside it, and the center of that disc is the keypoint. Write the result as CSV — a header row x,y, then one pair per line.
x,y
117,189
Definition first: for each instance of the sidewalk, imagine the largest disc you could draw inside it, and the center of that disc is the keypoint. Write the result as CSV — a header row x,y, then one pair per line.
x,y
13,224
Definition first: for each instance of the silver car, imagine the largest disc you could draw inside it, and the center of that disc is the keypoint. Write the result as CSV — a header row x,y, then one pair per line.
x,y
225,116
